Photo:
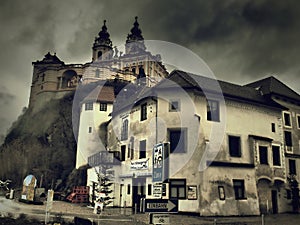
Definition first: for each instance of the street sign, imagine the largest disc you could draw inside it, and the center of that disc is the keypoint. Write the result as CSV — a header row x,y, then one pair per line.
x,y
158,163
160,219
161,205
157,190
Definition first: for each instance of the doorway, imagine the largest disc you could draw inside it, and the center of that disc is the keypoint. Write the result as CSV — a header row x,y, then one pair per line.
x,y
138,192
274,202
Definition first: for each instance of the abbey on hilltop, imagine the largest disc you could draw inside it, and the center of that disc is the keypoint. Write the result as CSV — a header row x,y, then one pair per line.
x,y
230,152
52,78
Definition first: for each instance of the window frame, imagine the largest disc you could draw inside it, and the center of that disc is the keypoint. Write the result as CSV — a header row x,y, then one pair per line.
x,y
183,130
143,112
178,187
90,130
221,192
288,142
123,153
239,151
263,155
279,156
103,107
212,115
89,106
143,152
273,127
292,167
236,189
124,130
298,120
284,119
171,105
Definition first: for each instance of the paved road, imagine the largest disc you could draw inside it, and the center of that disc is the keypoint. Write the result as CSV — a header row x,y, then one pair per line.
x,y
112,216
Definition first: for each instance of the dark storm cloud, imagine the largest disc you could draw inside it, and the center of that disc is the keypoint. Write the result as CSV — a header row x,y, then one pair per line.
x,y
239,40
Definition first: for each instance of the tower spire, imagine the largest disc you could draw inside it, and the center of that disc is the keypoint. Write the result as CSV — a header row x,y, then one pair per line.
x,y
104,37
103,44
136,33
135,39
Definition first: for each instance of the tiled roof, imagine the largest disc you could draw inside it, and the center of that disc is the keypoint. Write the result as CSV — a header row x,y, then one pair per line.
x,y
271,85
101,94
211,86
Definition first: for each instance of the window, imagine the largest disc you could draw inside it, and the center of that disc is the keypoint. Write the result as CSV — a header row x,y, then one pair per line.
x,y
239,189
292,166
88,106
276,155
124,132
221,191
131,152
103,106
287,119
143,111
177,138
213,110
273,128
288,138
90,129
298,121
263,155
97,73
142,149
177,189
123,152
234,146
149,189
174,106
99,55
133,70
128,189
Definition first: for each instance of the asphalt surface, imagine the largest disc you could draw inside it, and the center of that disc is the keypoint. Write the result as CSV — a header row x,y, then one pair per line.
x,y
112,216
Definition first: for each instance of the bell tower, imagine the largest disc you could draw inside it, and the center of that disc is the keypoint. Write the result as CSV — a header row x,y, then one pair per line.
x,y
102,47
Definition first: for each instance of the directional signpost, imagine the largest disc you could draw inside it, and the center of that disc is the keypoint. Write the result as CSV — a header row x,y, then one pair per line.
x,y
161,205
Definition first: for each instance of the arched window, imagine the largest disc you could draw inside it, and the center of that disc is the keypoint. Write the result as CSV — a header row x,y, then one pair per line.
x,y
100,55
124,132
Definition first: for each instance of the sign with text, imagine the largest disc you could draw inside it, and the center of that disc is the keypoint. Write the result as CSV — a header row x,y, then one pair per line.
x,y
161,205
160,219
140,164
158,163
157,190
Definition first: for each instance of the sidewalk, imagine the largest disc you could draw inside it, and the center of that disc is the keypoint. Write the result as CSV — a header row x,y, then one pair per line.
x,y
183,219
111,216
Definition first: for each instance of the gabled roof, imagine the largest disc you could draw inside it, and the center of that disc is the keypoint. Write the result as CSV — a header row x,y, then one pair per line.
x,y
101,94
272,85
211,86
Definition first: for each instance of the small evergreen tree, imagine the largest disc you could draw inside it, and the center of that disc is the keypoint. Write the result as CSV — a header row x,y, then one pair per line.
x,y
104,186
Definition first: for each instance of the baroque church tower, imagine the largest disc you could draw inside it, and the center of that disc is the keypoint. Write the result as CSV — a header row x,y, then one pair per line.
x,y
102,48
52,78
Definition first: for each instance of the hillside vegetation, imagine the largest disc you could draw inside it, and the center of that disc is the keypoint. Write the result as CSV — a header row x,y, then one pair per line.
x,y
41,144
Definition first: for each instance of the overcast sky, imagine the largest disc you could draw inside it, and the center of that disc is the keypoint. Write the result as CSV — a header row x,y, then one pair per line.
x,y
241,41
